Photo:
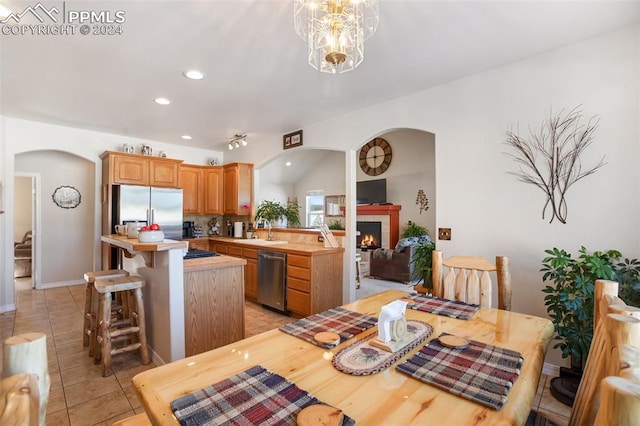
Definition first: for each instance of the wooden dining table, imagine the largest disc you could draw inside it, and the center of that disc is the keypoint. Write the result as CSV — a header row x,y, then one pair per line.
x,y
389,397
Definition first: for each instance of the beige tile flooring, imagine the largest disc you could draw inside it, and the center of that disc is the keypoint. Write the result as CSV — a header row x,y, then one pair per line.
x,y
81,396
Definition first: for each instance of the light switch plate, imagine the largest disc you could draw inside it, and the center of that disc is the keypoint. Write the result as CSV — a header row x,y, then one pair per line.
x,y
444,233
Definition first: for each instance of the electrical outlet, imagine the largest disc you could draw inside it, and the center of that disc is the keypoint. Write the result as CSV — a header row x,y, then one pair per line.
x,y
444,233
320,239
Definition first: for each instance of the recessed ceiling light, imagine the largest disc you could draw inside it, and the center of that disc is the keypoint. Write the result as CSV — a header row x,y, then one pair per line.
x,y
194,74
288,163
186,137
162,101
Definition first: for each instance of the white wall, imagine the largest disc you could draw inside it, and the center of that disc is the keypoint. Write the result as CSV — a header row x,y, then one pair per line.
x,y
489,211
22,136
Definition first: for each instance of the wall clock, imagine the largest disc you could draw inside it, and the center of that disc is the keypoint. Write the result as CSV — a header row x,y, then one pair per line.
x,y
375,157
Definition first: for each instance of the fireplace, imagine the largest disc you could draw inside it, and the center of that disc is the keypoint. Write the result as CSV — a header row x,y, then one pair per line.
x,y
370,235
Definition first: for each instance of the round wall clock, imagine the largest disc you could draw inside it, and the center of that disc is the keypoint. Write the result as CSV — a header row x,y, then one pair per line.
x,y
375,157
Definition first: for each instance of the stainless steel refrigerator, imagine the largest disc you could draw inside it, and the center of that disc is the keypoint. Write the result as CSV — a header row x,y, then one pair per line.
x,y
149,205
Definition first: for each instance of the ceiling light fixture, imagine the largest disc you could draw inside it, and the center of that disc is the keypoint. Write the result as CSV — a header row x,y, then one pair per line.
x,y
237,140
335,31
186,137
193,74
162,101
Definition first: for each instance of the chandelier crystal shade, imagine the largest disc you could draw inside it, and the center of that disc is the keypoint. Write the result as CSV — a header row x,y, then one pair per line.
x,y
335,31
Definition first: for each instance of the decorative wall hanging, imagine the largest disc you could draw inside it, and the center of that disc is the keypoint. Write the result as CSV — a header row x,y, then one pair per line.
x,y
292,140
66,197
422,201
550,158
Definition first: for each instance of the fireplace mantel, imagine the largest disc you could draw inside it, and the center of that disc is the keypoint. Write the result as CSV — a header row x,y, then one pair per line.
x,y
393,211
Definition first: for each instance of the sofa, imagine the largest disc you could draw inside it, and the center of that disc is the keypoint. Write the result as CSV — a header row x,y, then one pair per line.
x,y
22,257
392,265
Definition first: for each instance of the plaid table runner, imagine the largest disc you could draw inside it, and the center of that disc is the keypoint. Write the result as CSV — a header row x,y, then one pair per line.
x,y
438,306
254,397
341,321
481,372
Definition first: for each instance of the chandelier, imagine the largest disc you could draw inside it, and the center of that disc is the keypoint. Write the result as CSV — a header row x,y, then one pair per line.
x,y
335,31
237,141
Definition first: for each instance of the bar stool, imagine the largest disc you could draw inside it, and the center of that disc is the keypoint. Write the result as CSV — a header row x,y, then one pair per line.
x,y
358,270
110,332
89,332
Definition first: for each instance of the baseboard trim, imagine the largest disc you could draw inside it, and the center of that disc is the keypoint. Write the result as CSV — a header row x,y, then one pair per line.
x,y
156,358
550,369
57,284
7,308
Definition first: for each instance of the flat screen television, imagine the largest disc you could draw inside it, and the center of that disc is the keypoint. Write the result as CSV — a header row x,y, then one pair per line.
x,y
371,192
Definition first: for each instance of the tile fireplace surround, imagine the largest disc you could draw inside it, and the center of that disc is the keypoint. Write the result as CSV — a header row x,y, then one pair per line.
x,y
388,215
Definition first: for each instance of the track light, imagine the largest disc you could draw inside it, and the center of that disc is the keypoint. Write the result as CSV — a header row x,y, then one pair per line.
x,y
237,140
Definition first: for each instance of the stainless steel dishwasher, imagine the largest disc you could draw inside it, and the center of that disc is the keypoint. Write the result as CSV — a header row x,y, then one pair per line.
x,y
272,279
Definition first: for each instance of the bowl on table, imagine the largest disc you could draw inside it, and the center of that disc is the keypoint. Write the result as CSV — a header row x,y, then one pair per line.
x,y
150,236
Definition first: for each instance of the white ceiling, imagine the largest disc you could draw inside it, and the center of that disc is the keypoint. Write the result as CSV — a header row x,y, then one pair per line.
x,y
257,79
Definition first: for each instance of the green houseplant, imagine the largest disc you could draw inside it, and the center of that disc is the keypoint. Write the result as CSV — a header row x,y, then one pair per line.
x,y
414,230
335,225
292,213
269,211
421,260
570,303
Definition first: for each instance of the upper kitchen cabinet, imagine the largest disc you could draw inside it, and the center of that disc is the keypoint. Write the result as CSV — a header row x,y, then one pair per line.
x,y
238,189
133,169
192,189
213,190
201,189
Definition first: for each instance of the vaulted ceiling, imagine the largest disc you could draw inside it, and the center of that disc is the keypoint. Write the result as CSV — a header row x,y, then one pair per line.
x,y
257,80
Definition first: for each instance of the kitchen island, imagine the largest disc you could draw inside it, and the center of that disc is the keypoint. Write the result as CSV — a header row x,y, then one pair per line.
x,y
183,298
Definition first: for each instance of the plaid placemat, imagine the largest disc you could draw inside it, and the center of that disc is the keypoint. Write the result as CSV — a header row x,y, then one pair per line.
x,y
254,397
341,321
436,305
481,372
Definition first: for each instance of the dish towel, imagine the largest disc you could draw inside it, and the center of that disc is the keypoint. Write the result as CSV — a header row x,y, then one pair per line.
x,y
438,306
341,321
253,397
481,372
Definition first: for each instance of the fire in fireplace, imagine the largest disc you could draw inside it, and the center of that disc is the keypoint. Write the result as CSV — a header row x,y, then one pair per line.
x,y
370,235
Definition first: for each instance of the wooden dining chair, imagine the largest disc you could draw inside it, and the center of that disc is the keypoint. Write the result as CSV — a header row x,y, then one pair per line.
x,y
468,279
609,390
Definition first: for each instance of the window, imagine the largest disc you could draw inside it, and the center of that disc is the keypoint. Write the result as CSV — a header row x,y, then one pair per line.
x,y
315,208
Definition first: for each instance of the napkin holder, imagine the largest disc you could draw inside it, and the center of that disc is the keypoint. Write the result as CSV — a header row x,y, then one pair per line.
x,y
392,328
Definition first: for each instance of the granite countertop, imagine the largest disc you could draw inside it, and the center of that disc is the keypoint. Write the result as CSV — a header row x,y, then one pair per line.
x,y
281,246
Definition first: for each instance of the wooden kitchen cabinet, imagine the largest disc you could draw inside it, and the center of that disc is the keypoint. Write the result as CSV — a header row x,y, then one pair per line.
x,y
314,282
198,243
238,188
213,190
218,247
250,273
192,189
201,189
132,169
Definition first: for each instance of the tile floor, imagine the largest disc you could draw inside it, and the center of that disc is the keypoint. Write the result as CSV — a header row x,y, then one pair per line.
x,y
79,394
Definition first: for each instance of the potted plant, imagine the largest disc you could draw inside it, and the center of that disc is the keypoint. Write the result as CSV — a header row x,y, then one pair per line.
x,y
421,260
269,212
292,213
569,302
414,230
335,225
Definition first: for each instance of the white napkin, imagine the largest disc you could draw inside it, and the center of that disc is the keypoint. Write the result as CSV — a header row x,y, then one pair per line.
x,y
390,312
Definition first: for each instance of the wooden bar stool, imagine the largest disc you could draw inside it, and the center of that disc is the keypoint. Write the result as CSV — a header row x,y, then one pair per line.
x,y
89,332
111,333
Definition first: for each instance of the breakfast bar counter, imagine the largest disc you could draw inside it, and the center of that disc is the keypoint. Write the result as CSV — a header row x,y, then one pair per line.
x,y
387,397
191,305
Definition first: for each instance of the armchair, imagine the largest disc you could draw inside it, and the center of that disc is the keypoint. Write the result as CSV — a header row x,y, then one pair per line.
x,y
22,256
392,265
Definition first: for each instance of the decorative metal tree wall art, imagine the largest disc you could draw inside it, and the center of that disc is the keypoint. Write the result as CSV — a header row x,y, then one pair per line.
x,y
549,157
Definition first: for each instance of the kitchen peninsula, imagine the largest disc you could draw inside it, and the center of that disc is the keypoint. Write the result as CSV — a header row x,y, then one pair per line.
x,y
191,305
